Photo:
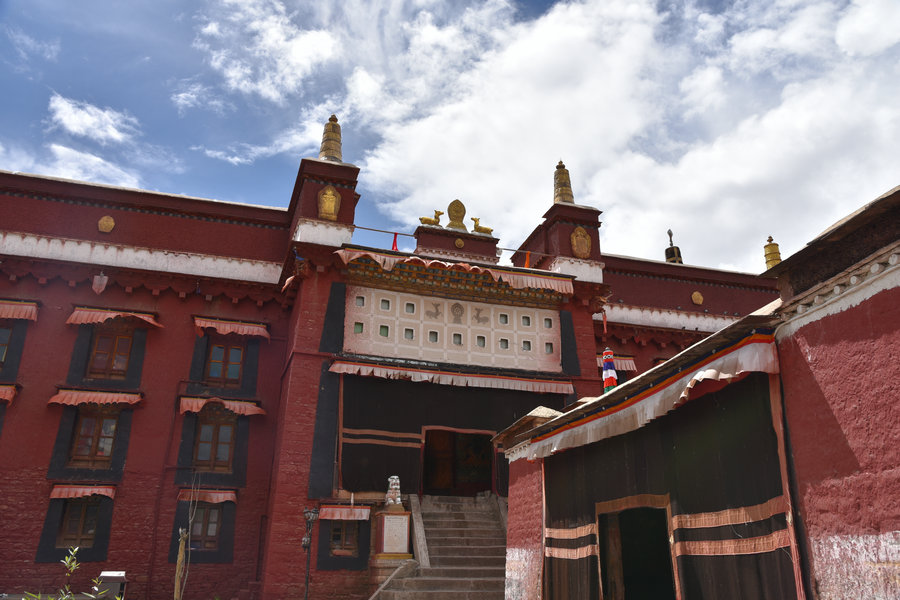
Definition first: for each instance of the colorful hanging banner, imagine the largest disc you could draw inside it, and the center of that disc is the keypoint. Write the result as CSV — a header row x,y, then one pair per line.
x,y
610,380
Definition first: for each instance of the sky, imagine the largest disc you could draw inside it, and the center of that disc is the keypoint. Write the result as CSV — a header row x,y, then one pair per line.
x,y
725,121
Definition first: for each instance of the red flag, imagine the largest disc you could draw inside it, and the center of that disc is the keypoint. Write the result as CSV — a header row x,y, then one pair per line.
x,y
394,245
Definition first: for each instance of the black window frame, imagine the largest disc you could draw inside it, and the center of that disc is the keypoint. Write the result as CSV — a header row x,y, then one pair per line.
x,y
9,369
326,561
188,474
224,553
249,370
60,467
48,552
78,375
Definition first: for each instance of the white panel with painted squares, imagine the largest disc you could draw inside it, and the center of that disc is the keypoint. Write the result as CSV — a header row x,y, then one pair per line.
x,y
399,325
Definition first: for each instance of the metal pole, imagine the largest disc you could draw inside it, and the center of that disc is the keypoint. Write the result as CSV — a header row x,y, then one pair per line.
x,y
310,514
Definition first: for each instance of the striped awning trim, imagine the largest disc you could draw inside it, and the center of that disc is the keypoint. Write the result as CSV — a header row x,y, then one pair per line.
x,y
76,397
225,327
82,491
18,309
344,513
7,392
208,496
193,404
83,315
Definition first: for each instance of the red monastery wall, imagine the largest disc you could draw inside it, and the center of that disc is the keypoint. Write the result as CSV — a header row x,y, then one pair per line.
x,y
525,531
841,378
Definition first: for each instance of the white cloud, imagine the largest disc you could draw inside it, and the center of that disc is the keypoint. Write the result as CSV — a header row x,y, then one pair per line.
x,y
192,95
869,27
26,46
102,125
74,164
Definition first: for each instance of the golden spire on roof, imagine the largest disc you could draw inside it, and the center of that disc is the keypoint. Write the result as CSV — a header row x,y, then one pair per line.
x,y
772,253
331,141
562,186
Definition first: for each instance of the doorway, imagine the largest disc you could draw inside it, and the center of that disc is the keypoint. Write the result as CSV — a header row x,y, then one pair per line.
x,y
456,463
635,559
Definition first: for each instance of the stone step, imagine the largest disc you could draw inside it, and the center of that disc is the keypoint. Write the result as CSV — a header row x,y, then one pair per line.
x,y
467,551
463,532
479,517
463,572
472,540
469,561
450,583
440,595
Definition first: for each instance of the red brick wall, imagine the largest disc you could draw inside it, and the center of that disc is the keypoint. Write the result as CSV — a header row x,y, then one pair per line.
x,y
841,378
525,531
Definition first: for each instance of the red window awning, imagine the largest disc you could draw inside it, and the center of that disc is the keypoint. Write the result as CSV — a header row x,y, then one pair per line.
x,y
622,363
209,496
83,315
225,327
76,397
192,404
82,491
7,392
344,513
17,309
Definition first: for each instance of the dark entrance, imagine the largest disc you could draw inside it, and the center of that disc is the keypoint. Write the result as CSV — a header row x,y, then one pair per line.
x,y
634,555
456,464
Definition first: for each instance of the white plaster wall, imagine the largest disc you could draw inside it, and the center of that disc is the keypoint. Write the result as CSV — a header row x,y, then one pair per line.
x,y
857,566
432,314
523,574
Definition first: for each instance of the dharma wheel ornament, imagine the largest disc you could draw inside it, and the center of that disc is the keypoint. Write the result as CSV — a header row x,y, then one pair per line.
x,y
457,212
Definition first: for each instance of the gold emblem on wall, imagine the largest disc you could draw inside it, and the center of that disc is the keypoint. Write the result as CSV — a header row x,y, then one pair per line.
x,y
329,203
457,212
581,243
697,298
459,243
106,224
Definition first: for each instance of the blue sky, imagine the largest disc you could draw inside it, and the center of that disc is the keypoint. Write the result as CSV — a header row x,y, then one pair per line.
x,y
724,121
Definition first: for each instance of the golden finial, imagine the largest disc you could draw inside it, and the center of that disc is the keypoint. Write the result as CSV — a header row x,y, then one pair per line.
x,y
457,212
562,186
772,253
331,141
673,252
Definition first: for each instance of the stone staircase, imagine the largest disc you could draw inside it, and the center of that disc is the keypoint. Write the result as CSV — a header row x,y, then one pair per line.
x,y
467,548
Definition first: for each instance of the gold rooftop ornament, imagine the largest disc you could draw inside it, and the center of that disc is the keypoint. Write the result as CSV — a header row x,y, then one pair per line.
x,y
331,141
479,228
562,186
436,220
772,253
457,212
581,243
329,203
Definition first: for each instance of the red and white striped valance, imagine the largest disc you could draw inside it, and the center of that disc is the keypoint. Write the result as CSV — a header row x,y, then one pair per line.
x,y
17,309
522,384
82,491
193,404
208,496
344,513
76,397
622,363
225,327
83,315
516,280
7,392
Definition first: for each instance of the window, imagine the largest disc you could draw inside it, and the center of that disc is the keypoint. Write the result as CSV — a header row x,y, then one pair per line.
x,y
410,308
345,538
526,321
480,341
214,439
409,333
360,301
504,343
79,523
457,339
384,331
433,337
206,526
225,362
526,346
110,353
92,442
357,327
548,348
5,334
385,304
504,318
548,323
